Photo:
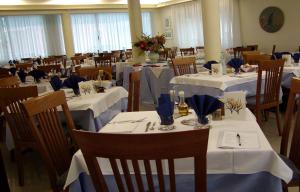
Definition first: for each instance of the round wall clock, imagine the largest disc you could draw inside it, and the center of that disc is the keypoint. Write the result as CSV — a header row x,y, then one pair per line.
x,y
271,19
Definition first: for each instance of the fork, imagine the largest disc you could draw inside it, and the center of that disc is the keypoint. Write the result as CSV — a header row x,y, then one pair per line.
x,y
129,121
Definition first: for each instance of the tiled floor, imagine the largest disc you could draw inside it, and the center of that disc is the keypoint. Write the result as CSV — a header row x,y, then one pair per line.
x,y
36,179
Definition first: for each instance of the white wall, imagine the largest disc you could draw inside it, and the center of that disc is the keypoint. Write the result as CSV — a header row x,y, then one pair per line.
x,y
287,39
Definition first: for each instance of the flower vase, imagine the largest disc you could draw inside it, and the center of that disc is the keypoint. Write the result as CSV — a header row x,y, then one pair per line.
x,y
154,57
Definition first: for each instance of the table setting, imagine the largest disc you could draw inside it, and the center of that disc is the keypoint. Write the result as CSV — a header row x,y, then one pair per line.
x,y
237,148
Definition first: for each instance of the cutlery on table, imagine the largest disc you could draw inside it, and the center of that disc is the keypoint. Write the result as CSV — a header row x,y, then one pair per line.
x,y
128,121
148,126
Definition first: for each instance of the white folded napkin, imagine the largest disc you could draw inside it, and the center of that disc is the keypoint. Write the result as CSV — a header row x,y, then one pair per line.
x,y
238,140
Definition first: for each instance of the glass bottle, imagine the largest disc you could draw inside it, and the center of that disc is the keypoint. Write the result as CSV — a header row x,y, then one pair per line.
x,y
182,106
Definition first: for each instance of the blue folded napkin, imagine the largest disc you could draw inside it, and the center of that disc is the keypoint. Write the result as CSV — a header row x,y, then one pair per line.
x,y
278,55
235,63
56,83
37,74
296,57
22,75
204,105
13,70
72,82
208,64
165,109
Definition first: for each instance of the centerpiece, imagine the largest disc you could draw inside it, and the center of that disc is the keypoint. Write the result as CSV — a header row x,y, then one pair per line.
x,y
151,46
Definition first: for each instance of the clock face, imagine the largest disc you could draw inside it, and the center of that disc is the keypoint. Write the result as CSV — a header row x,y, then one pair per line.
x,y
271,19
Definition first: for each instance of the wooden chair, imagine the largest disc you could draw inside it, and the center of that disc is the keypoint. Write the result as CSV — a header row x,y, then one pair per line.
x,y
93,72
55,143
23,66
11,81
116,56
103,61
187,51
254,59
237,51
292,158
163,55
4,73
273,49
49,68
77,54
77,60
199,48
128,54
3,176
146,148
27,59
183,66
252,47
269,99
10,99
134,91
49,61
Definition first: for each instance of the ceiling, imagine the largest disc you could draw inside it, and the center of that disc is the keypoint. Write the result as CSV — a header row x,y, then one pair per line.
x,y
78,2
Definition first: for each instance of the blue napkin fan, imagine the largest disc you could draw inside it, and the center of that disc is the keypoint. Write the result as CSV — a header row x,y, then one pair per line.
x,y
208,64
235,63
204,105
165,109
296,57
56,83
72,82
22,75
278,55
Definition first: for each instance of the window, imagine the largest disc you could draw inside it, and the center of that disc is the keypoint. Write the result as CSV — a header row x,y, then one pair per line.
x,y
30,36
104,31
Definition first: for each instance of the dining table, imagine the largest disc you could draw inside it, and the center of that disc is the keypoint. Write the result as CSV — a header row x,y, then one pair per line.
x,y
258,168
290,71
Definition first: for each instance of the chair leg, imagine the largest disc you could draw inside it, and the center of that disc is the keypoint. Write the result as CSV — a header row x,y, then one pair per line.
x,y
20,167
258,117
266,113
278,120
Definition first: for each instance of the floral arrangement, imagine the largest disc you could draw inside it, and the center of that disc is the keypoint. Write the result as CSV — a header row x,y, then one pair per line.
x,y
234,105
152,44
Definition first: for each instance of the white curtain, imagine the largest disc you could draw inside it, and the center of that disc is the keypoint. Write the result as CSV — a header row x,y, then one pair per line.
x,y
85,33
187,24
230,23
30,36
106,31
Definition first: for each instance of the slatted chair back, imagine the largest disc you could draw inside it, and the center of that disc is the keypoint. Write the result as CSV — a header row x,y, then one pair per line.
x,y
93,72
116,56
128,54
10,99
77,60
54,141
252,47
134,91
237,51
103,61
254,59
273,70
77,54
290,119
148,148
27,59
9,82
49,61
163,55
199,48
187,51
4,73
49,68
24,66
183,66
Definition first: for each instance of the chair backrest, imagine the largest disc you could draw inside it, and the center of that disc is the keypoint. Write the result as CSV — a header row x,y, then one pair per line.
x,y
134,91
10,99
103,61
77,54
47,129
183,66
48,68
252,47
77,60
187,51
23,66
254,59
8,82
199,48
91,73
128,54
290,119
148,148
237,51
49,61
116,56
273,70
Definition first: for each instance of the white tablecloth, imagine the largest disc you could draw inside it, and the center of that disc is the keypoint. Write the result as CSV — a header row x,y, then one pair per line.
x,y
295,70
219,161
219,82
99,102
43,86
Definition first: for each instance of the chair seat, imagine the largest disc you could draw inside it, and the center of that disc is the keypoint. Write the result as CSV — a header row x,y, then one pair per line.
x,y
288,162
251,101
